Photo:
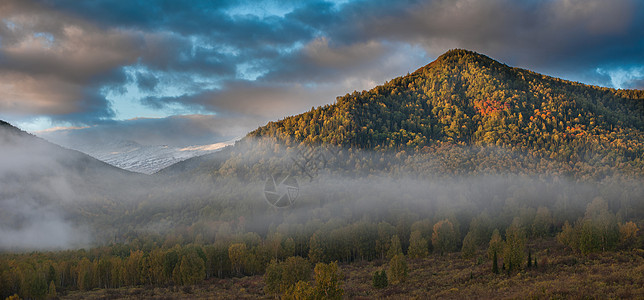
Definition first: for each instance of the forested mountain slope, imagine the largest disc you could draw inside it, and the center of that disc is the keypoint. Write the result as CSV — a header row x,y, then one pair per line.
x,y
465,98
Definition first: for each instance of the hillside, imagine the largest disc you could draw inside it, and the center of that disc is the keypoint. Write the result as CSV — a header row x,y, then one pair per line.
x,y
467,99
31,148
46,191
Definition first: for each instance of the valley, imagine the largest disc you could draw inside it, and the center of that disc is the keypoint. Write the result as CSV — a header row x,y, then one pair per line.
x,y
435,177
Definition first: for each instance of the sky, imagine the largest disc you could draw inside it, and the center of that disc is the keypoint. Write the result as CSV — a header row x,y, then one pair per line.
x,y
199,72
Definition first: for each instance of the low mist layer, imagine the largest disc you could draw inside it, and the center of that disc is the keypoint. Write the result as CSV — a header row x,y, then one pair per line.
x,y
51,192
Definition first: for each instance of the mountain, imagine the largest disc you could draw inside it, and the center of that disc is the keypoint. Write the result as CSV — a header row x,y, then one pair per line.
x,y
212,160
47,190
24,153
465,99
146,159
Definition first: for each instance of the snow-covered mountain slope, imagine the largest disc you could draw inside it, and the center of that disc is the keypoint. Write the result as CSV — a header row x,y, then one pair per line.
x,y
145,159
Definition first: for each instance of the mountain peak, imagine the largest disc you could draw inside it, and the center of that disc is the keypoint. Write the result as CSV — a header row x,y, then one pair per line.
x,y
457,53
458,58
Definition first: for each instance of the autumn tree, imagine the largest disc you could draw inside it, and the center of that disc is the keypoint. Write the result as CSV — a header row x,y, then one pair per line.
x,y
327,281
237,254
302,290
191,269
398,269
598,230
418,247
155,266
383,242
514,248
469,245
394,247
495,245
85,274
289,247
272,277
628,233
51,291
133,268
51,274
316,250
282,276
480,229
217,260
542,222
444,237
170,260
568,236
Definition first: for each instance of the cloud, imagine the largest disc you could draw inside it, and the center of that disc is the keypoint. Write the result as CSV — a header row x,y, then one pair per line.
x,y
625,77
54,65
179,131
565,37
84,63
146,81
251,99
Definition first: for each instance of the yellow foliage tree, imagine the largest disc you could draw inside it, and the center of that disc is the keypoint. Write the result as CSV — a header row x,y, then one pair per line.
x,y
236,253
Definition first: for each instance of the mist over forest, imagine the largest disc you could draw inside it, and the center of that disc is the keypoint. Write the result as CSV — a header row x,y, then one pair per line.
x,y
466,158
334,184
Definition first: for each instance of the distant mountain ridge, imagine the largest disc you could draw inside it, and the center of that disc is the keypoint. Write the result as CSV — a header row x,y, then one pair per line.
x,y
146,159
465,98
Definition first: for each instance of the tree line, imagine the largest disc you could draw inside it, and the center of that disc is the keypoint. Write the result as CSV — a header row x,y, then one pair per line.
x,y
287,255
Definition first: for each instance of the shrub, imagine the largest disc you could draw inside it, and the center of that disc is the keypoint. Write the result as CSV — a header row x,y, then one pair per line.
x,y
380,279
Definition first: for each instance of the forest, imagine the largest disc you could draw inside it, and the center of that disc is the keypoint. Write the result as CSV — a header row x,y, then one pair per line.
x,y
495,174
464,98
